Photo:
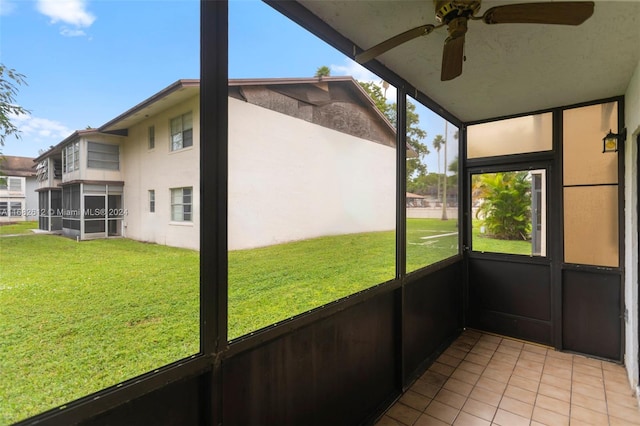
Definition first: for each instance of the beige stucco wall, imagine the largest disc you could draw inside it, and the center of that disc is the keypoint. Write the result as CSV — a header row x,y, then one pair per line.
x,y
85,173
160,169
632,122
290,180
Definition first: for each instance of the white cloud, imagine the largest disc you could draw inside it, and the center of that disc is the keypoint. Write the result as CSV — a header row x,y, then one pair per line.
x,y
360,73
39,129
67,32
70,12
7,7
36,134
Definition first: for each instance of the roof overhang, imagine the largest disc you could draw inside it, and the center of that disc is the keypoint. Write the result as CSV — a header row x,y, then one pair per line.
x,y
172,95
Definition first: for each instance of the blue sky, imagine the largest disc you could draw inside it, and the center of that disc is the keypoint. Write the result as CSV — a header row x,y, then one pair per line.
x,y
87,61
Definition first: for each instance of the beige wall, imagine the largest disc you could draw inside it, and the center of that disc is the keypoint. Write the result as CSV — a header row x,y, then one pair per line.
x,y
85,173
290,180
160,169
100,174
632,122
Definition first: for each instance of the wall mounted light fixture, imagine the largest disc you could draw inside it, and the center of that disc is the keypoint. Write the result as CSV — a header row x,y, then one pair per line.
x,y
612,141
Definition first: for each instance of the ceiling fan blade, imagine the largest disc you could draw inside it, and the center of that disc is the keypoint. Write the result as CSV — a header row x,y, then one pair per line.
x,y
395,41
562,13
452,58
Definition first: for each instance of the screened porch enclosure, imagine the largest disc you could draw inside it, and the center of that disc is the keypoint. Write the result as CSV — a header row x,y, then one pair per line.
x,y
531,240
92,210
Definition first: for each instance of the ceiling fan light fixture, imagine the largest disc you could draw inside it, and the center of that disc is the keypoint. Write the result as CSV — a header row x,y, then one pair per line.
x,y
455,14
446,10
457,27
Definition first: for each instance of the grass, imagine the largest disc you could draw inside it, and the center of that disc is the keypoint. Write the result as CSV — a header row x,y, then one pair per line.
x,y
314,272
18,228
79,317
483,243
430,240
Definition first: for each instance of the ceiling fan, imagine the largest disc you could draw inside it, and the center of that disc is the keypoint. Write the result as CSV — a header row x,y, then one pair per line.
x,y
455,14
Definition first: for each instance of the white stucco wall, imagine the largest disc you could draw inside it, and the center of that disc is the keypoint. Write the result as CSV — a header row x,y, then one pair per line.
x,y
288,180
160,169
291,180
632,122
31,198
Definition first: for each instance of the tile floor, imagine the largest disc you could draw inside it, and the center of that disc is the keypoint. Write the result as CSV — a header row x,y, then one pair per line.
x,y
482,379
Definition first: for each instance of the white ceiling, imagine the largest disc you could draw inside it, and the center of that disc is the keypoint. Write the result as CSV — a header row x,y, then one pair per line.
x,y
509,68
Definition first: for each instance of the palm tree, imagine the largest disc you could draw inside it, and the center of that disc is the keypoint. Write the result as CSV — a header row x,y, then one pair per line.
x,y
323,71
506,206
438,142
444,187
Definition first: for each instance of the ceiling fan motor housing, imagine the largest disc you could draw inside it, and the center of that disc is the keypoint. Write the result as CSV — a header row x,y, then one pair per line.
x,y
447,10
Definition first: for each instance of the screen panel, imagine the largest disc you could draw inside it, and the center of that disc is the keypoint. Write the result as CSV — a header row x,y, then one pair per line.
x,y
509,212
312,173
113,292
432,187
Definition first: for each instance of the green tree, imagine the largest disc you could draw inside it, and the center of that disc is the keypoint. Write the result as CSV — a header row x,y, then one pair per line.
x,y
452,181
415,135
10,79
323,71
506,204
375,92
453,166
427,184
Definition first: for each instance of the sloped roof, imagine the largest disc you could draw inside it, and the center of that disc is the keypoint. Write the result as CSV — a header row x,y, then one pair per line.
x,y
58,147
183,89
17,166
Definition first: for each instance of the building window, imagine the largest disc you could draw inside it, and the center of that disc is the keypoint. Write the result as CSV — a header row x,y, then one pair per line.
x,y
181,202
57,168
15,208
12,184
42,170
152,201
103,156
181,132
152,137
15,184
71,157
10,208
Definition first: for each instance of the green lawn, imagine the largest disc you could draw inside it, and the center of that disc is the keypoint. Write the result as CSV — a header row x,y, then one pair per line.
x,y
78,317
483,243
430,240
18,228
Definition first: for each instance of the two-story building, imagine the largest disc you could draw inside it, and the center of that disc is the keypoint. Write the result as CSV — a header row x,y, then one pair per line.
x,y
18,200
137,176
